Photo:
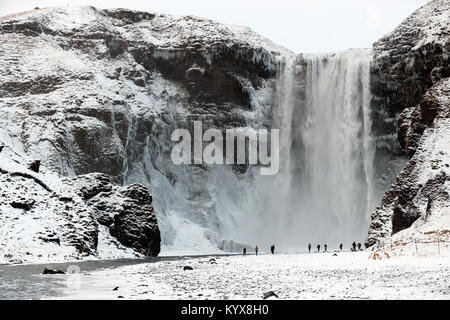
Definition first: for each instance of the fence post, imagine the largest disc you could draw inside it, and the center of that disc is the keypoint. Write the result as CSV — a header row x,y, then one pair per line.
x,y
439,247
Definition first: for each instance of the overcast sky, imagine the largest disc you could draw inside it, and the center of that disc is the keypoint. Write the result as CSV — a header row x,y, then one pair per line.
x,y
300,25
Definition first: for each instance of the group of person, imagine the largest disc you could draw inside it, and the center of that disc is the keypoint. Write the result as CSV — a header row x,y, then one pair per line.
x,y
272,250
341,246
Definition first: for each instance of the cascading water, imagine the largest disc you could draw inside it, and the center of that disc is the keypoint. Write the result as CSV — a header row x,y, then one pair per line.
x,y
337,153
322,193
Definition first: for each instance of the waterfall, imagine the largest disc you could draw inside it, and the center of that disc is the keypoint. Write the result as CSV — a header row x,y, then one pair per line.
x,y
336,136
323,191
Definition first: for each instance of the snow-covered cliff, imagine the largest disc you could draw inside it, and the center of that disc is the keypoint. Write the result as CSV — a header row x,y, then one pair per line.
x,y
44,217
410,88
87,90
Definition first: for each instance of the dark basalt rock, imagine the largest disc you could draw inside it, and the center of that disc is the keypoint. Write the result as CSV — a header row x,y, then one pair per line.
x,y
116,46
127,211
51,239
93,184
22,204
52,271
135,225
269,294
35,165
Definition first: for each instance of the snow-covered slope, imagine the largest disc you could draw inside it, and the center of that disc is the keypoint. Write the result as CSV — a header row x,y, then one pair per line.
x,y
417,206
406,63
410,101
44,217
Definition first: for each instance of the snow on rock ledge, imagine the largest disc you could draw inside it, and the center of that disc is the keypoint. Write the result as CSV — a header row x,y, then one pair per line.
x,y
409,84
417,205
45,218
406,63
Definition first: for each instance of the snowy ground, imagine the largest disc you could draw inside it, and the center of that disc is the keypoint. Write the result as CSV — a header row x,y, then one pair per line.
x,y
291,276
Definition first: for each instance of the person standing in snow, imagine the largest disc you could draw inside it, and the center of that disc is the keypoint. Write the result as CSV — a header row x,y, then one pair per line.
x,y
359,246
354,246
309,248
272,249
318,248
340,246
244,251
325,246
256,250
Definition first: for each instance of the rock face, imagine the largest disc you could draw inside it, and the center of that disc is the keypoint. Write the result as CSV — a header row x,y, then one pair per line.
x,y
126,211
419,199
109,76
88,90
44,217
409,83
406,63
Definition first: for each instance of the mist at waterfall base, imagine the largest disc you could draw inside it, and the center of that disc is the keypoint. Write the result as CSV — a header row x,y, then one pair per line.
x,y
322,193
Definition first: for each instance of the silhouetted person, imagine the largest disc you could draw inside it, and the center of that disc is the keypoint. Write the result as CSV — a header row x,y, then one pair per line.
x,y
256,250
359,246
325,246
272,249
318,248
244,251
354,246
309,247
340,246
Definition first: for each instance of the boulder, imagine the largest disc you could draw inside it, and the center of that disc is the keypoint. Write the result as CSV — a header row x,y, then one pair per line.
x,y
52,271
127,211
34,165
